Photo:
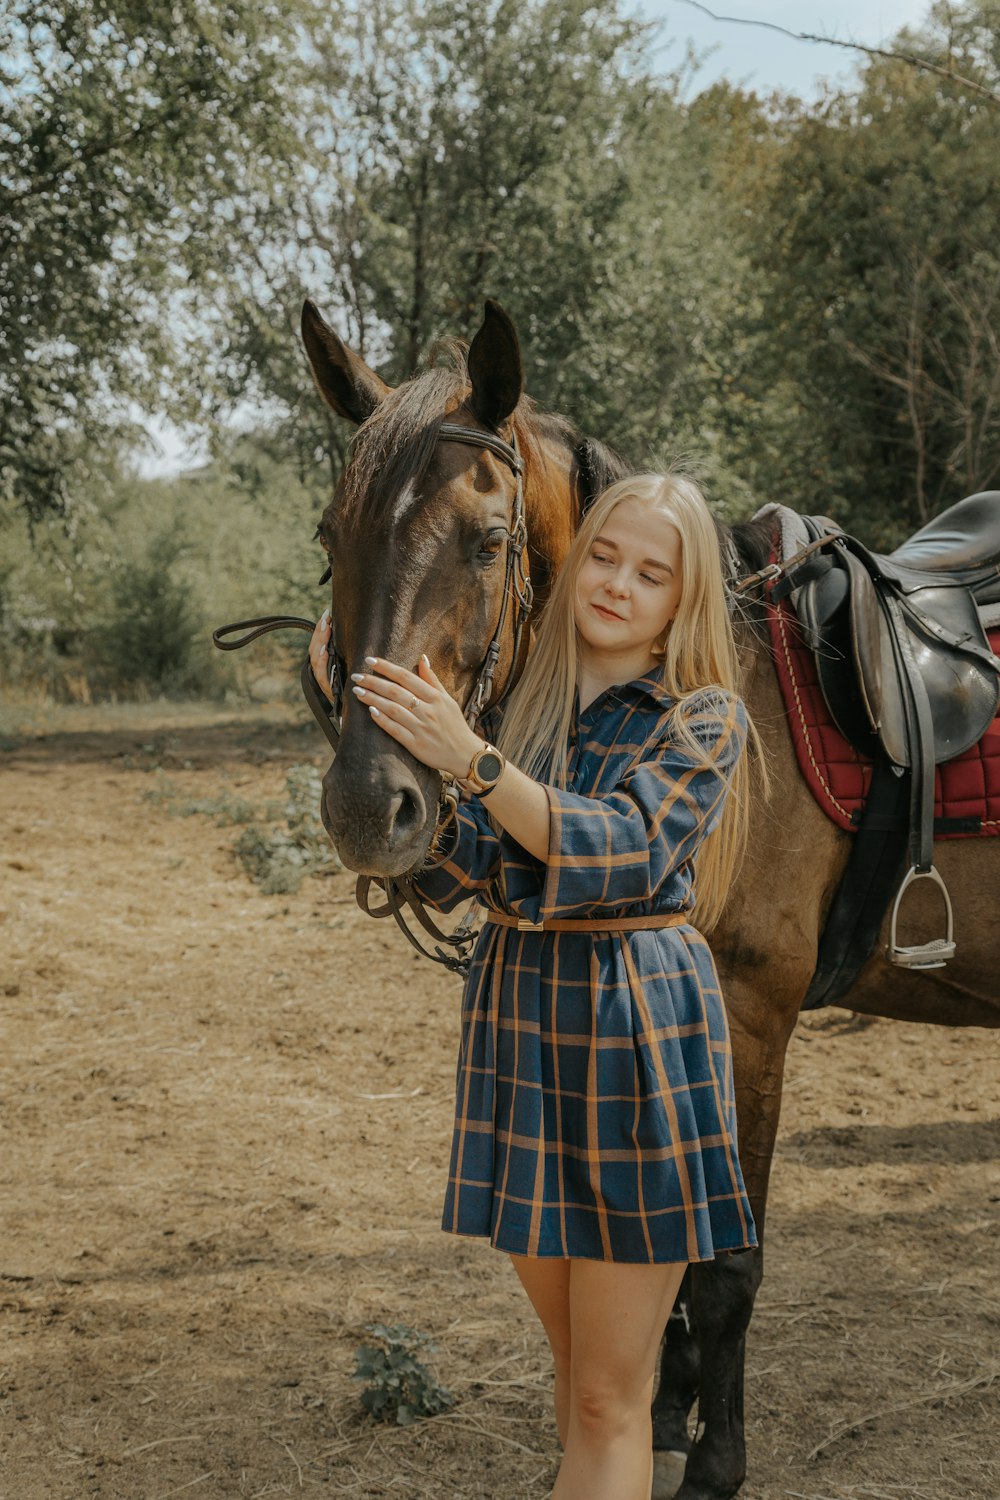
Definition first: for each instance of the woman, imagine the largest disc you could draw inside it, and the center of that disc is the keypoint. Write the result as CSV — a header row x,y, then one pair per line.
x,y
595,1134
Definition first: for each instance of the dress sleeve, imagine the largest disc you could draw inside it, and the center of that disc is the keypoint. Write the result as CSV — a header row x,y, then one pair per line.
x,y
610,851
466,862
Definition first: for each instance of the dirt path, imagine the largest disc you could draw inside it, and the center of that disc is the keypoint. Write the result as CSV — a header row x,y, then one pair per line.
x,y
225,1128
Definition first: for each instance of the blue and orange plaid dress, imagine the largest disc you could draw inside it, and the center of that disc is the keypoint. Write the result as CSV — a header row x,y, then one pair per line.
x,y
595,1115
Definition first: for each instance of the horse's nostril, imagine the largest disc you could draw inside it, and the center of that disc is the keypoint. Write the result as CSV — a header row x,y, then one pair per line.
x,y
406,814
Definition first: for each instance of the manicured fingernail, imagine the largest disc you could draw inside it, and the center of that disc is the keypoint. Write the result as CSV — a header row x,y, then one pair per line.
x,y
423,658
371,661
325,619
374,711
359,691
357,676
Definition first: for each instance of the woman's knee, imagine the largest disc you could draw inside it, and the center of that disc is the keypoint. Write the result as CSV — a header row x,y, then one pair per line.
x,y
606,1409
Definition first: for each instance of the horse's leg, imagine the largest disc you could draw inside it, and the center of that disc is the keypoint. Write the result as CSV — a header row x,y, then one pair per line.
x,y
723,1290
676,1394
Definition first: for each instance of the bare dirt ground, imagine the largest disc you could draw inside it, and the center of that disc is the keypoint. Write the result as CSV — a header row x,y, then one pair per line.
x,y
225,1129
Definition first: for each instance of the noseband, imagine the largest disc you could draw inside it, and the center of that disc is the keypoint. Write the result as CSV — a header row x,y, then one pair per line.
x,y
517,592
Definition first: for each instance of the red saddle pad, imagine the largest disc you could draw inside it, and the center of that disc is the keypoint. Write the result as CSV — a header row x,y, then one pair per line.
x,y
967,787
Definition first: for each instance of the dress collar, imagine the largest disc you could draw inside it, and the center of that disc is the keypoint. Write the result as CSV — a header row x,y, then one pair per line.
x,y
651,684
654,686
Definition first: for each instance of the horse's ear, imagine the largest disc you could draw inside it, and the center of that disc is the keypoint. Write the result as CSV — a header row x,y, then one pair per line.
x,y
344,380
495,368
597,467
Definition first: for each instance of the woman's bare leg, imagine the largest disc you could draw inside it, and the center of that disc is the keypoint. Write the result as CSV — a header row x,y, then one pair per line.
x,y
617,1314
547,1285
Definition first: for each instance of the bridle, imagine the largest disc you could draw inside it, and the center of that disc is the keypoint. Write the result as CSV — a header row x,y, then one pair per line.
x,y
516,585
517,595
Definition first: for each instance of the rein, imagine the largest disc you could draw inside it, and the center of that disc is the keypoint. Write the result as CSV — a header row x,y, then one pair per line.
x,y
517,592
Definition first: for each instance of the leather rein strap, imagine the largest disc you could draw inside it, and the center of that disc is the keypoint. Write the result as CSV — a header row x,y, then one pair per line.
x,y
517,591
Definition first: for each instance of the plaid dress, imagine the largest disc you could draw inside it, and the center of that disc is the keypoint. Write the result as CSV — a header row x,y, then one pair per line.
x,y
595,1115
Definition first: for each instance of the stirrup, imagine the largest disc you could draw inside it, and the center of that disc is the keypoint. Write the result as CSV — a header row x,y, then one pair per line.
x,y
936,953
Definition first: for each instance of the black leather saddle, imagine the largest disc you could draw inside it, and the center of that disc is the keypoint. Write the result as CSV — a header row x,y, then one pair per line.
x,y
902,656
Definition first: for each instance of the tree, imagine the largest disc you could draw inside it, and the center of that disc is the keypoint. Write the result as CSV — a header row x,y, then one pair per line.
x,y
130,136
876,378
521,150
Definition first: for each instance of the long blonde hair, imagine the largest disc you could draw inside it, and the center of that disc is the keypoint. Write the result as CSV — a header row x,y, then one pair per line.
x,y
697,651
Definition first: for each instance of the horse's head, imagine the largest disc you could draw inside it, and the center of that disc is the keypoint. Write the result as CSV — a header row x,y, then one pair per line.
x,y
418,535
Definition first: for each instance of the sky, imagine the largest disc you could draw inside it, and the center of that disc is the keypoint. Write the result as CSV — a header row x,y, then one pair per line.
x,y
763,59
746,54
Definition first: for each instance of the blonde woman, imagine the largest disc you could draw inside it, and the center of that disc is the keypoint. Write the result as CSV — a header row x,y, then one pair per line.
x,y
595,1132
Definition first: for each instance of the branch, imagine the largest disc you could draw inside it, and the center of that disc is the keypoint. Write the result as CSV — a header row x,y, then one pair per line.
x,y
910,58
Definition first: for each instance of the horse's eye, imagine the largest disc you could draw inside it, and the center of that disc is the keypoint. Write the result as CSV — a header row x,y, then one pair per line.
x,y
491,544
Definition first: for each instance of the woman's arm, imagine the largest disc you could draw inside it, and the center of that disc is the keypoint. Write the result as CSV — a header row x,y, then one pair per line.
x,y
619,848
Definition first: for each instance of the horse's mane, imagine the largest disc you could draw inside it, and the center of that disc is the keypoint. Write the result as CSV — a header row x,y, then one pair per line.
x,y
393,448
753,541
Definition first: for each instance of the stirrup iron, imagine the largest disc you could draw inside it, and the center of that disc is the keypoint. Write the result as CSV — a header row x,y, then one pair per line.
x,y
936,953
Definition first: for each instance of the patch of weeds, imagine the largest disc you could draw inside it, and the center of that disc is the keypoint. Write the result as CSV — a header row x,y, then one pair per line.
x,y
150,755
225,810
400,1387
279,859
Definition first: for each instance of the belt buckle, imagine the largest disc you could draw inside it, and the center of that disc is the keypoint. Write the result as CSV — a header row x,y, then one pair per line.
x,y
523,925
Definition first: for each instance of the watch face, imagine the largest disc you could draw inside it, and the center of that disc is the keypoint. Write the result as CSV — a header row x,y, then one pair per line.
x,y
488,766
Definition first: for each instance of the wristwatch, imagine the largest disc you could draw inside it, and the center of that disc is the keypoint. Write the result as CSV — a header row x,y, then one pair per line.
x,y
485,771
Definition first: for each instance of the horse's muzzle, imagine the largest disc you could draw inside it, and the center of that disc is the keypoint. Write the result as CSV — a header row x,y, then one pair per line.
x,y
381,821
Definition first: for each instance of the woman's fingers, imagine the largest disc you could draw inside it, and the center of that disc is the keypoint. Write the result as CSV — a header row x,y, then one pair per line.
x,y
419,713
319,653
406,684
390,702
428,673
408,694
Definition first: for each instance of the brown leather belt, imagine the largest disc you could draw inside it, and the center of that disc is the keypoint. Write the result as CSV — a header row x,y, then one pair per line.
x,y
590,924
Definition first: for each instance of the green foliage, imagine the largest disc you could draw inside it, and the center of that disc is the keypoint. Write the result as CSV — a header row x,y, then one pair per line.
x,y
871,385
399,1387
562,196
150,638
804,299
279,858
225,810
130,134
79,598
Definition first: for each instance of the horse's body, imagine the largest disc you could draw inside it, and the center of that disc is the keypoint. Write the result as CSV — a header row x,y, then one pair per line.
x,y
404,583
765,949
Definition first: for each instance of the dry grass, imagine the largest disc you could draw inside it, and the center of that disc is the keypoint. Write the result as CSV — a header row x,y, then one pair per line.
x,y
226,1128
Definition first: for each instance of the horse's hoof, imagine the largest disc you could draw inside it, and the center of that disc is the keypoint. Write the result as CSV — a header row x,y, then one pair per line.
x,y
668,1473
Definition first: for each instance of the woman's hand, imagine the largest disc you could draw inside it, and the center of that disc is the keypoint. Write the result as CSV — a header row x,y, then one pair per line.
x,y
319,653
418,712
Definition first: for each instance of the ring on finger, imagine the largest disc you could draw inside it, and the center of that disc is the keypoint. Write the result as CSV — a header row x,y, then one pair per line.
x,y
414,700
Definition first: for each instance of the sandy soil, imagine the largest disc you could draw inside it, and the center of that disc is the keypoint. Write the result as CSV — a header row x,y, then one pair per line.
x,y
225,1128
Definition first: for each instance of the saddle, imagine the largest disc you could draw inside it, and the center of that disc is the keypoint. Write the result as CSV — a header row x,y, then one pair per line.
x,y
905,667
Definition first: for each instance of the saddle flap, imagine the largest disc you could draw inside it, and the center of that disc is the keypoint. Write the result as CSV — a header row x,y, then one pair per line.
x,y
874,659
962,690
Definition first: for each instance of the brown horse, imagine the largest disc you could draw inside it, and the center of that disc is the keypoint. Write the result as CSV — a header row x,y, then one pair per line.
x,y
414,534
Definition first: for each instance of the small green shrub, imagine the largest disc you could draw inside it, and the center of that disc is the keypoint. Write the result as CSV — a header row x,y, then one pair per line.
x,y
279,859
400,1387
225,810
152,638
